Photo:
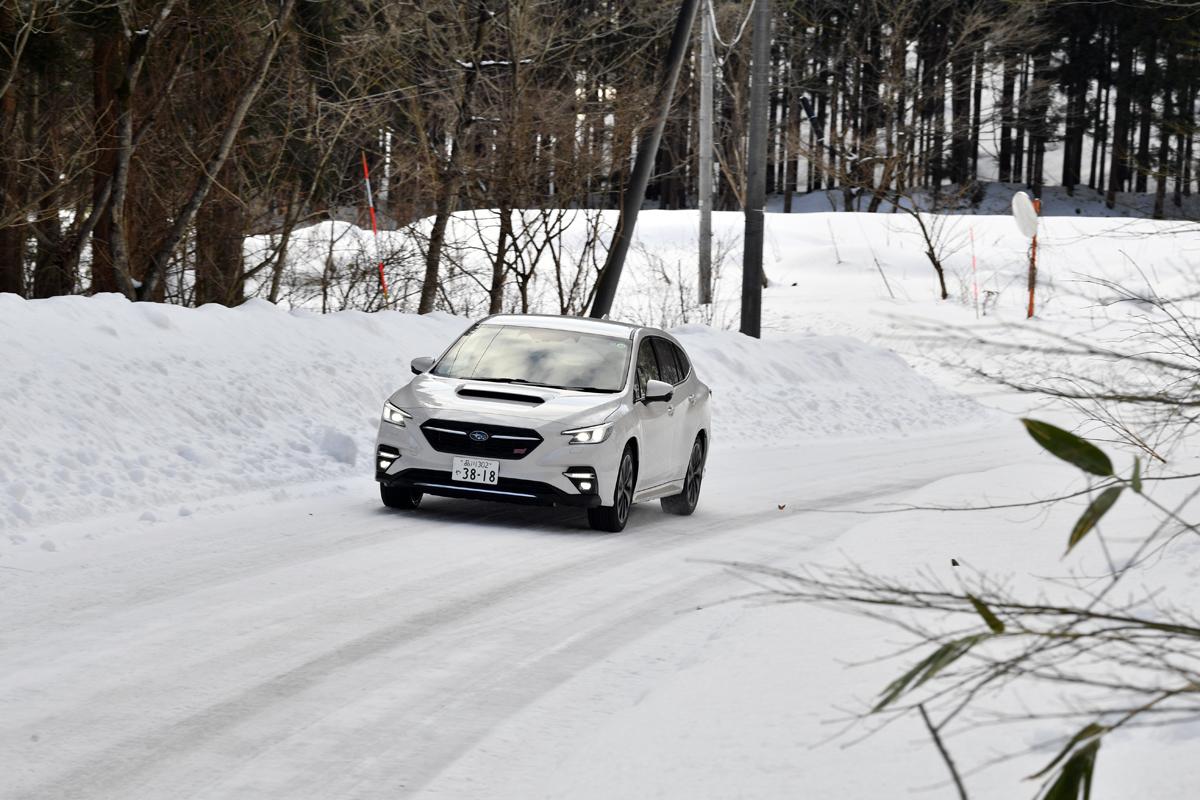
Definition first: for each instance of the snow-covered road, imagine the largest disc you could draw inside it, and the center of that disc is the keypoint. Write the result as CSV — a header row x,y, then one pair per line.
x,y
321,646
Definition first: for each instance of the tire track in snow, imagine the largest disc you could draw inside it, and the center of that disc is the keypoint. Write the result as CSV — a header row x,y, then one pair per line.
x,y
122,768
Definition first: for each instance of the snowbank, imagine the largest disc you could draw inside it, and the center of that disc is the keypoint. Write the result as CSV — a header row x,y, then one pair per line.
x,y
780,391
107,405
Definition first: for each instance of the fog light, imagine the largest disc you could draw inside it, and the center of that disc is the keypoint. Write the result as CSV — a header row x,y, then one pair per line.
x,y
386,456
584,478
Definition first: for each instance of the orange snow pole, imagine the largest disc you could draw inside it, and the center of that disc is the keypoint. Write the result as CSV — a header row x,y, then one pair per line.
x,y
1037,206
374,227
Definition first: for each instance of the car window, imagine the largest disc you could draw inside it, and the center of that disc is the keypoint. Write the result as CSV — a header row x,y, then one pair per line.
x,y
685,367
538,356
647,367
667,365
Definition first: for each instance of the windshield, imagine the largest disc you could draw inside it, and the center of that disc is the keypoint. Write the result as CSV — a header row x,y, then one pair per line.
x,y
538,356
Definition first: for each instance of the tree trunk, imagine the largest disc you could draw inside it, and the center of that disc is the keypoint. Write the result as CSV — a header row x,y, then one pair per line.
x,y
500,263
1076,83
1007,92
220,232
977,112
51,275
1120,140
1018,163
1039,125
1100,117
960,114
12,227
791,183
1189,132
1161,166
107,51
1146,89
1184,117
939,133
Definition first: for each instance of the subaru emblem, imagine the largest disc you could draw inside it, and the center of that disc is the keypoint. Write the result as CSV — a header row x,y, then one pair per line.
x,y
478,436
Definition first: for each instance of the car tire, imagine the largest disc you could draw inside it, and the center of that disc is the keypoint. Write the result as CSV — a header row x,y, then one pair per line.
x,y
399,497
685,502
613,518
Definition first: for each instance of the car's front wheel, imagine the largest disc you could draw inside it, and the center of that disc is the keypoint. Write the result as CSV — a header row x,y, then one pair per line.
x,y
685,502
613,518
398,497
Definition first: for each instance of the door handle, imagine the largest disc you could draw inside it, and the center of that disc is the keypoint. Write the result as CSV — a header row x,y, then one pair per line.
x,y
670,410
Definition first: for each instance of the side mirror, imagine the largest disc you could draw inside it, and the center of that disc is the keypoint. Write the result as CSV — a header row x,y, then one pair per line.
x,y
658,391
422,364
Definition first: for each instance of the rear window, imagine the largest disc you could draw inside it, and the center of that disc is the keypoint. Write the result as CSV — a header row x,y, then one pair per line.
x,y
685,366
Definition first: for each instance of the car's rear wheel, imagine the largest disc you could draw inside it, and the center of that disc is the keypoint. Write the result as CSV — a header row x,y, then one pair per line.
x,y
685,502
613,518
398,497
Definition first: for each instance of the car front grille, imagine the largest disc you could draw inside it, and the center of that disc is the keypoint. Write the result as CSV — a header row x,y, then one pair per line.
x,y
462,439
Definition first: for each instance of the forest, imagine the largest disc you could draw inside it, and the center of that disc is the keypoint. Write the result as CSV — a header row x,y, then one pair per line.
x,y
143,141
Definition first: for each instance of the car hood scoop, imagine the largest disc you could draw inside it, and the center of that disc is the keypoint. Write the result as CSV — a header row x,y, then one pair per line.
x,y
494,394
505,404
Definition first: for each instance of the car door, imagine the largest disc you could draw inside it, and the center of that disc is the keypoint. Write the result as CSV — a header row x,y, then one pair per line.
x,y
668,368
690,411
655,422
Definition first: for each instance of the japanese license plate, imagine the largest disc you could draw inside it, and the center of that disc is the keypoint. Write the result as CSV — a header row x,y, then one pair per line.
x,y
476,470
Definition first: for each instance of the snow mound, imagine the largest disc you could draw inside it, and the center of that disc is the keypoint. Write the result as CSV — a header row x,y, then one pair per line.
x,y
107,405
781,390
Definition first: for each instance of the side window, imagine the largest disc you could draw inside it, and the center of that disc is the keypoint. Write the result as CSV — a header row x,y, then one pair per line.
x,y
647,367
685,367
667,365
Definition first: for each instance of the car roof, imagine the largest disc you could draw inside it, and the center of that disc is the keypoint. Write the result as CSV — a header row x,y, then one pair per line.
x,y
602,327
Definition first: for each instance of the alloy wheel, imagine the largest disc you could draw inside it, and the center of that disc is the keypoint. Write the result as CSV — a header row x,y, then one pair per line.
x,y
695,474
624,488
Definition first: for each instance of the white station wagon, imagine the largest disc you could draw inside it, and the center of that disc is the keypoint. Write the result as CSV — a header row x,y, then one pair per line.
x,y
551,411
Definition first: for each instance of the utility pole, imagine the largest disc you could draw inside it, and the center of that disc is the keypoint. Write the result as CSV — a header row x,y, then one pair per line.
x,y
756,174
631,203
706,152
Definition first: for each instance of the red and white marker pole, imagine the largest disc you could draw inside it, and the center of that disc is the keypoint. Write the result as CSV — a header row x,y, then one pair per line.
x,y
1026,213
374,226
1037,208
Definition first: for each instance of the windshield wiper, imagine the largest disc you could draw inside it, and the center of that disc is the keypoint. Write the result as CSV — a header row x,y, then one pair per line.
x,y
514,380
588,389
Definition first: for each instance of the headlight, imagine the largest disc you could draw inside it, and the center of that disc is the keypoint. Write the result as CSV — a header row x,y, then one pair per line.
x,y
395,414
590,435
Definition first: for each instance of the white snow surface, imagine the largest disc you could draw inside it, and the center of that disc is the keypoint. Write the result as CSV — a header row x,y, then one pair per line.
x,y
111,405
200,596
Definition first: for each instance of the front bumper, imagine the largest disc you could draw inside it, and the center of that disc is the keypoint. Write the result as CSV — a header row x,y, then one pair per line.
x,y
540,478
506,490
